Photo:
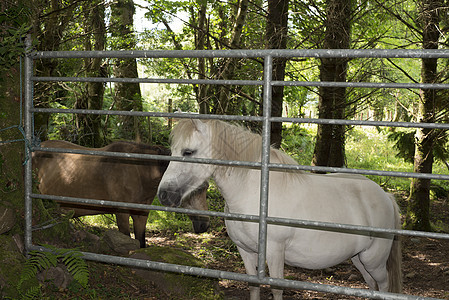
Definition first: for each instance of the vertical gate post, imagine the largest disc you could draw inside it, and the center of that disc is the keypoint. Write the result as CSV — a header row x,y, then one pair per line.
x,y
28,139
264,172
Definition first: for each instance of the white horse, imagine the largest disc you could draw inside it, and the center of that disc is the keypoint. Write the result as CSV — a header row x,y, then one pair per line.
x,y
339,198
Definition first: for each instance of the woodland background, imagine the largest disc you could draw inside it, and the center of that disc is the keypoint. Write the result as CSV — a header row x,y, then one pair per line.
x,y
241,24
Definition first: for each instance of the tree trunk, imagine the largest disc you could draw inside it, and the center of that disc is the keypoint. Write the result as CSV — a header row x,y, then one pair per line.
x,y
89,126
330,139
127,95
200,45
12,146
47,30
230,64
276,35
11,154
418,208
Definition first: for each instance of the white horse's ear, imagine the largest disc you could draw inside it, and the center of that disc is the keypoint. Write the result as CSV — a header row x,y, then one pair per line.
x,y
179,111
199,125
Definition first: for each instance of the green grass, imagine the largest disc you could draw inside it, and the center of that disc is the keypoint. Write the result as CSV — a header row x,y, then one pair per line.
x,y
370,149
366,148
157,221
161,220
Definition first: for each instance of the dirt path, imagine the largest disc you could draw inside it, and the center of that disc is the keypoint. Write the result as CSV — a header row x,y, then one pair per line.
x,y
425,267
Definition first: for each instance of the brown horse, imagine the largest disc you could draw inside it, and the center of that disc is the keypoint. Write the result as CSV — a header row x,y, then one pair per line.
x,y
110,178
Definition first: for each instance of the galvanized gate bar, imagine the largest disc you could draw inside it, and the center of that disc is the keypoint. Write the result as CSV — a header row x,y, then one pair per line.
x,y
377,85
248,164
358,171
307,224
283,283
29,131
444,126
148,80
265,171
374,85
235,163
147,114
245,53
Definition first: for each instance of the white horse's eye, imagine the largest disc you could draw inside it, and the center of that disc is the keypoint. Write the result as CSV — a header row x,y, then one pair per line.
x,y
188,152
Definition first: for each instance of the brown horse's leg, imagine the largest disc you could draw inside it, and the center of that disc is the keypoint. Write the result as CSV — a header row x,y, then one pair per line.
x,y
123,223
140,223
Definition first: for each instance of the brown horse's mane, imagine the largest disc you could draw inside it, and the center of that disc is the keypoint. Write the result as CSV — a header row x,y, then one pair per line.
x,y
134,147
117,146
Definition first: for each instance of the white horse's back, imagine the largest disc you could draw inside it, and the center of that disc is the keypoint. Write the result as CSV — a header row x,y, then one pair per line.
x,y
347,200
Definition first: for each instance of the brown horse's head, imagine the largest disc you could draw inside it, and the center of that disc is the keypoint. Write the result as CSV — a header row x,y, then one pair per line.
x,y
198,200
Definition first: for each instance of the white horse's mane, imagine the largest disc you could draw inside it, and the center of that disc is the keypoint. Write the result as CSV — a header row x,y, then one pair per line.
x,y
229,142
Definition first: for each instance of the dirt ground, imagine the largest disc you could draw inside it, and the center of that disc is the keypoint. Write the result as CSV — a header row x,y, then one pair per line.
x,y
425,268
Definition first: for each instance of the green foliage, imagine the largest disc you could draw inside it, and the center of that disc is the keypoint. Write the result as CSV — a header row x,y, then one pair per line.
x,y
372,28
40,261
76,265
220,18
14,25
404,144
367,148
168,221
216,202
298,143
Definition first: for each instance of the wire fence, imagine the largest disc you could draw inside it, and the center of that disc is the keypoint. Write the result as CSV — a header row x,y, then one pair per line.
x,y
263,218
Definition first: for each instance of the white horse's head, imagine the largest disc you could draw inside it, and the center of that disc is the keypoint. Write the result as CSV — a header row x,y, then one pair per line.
x,y
190,138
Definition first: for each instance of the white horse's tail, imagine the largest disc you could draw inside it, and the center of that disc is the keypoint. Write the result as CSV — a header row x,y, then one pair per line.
x,y
394,262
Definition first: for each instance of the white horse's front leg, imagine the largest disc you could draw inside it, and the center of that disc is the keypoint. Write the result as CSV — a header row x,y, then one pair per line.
x,y
276,261
250,261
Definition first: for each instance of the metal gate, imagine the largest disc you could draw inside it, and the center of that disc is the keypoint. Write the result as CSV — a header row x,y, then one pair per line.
x,y
267,83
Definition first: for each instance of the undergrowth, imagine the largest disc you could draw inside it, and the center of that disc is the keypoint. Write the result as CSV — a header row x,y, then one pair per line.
x,y
38,261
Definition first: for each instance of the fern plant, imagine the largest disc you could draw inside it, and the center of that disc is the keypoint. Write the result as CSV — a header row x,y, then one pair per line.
x,y
40,261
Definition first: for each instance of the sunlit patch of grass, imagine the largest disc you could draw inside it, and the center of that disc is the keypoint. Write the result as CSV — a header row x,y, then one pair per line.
x,y
369,148
209,247
297,141
366,148
162,220
104,221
